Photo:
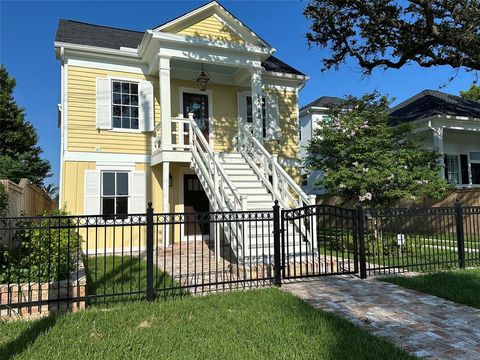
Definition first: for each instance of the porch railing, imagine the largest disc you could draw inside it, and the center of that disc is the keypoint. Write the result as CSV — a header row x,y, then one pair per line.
x,y
273,175
179,134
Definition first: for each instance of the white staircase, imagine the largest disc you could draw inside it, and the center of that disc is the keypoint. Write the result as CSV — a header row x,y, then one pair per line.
x,y
246,181
250,180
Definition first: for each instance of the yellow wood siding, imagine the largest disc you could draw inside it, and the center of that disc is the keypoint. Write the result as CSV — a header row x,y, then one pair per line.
x,y
73,185
82,132
212,28
224,107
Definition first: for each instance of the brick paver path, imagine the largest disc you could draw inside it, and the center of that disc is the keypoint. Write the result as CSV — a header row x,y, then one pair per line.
x,y
425,325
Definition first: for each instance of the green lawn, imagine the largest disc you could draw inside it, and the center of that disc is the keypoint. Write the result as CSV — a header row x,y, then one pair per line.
x,y
116,274
254,324
461,286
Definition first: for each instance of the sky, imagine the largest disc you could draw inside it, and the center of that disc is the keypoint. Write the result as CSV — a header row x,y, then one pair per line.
x,y
27,32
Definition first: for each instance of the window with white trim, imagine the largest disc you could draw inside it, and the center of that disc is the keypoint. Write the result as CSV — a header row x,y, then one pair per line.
x,y
453,169
264,114
114,193
475,167
125,111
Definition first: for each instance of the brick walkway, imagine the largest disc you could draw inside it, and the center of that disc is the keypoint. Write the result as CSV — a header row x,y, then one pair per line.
x,y
428,326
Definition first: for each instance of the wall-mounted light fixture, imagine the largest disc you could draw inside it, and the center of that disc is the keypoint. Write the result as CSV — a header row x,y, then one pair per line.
x,y
170,180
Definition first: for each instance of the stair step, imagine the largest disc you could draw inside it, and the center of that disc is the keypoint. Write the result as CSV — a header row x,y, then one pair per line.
x,y
230,155
243,178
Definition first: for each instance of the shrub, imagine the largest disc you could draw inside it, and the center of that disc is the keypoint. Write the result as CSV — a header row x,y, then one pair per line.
x,y
382,244
45,249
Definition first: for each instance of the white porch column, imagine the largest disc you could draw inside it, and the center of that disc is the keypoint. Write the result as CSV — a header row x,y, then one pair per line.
x,y
165,200
256,88
165,105
438,143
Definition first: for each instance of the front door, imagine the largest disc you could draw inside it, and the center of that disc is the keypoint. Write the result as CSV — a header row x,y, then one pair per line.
x,y
198,105
195,201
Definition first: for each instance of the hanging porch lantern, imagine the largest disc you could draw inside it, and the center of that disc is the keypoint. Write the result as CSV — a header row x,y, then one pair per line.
x,y
202,79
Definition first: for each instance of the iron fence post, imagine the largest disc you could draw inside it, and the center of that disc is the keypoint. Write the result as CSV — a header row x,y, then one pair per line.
x,y
150,287
460,234
276,245
361,241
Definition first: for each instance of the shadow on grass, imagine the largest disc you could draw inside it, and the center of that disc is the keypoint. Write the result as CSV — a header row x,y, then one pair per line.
x,y
27,336
116,279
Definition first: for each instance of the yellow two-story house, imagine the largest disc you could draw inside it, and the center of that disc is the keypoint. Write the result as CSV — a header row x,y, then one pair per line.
x,y
193,115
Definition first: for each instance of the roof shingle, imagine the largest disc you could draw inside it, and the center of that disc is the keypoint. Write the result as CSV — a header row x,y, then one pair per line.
x,y
429,103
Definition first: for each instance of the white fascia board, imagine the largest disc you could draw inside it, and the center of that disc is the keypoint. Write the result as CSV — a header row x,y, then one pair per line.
x,y
212,56
118,65
106,157
313,109
207,43
97,49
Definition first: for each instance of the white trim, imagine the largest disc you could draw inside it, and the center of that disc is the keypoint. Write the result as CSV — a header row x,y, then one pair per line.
x,y
97,49
108,66
210,55
195,41
63,127
114,166
106,157
216,9
181,198
209,94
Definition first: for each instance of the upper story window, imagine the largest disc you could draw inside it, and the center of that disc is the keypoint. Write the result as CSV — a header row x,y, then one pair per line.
x,y
264,114
125,104
114,194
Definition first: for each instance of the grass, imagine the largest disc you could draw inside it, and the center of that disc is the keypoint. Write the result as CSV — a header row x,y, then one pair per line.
x,y
116,275
461,286
254,324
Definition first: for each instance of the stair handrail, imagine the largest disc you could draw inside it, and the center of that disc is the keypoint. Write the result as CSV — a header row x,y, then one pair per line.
x,y
282,186
214,173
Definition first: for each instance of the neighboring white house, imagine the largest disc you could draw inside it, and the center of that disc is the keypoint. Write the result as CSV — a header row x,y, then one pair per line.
x,y
451,125
310,116
447,123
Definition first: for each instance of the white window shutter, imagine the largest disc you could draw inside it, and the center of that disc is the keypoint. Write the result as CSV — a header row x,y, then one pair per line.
x,y
146,106
104,103
273,118
138,190
92,192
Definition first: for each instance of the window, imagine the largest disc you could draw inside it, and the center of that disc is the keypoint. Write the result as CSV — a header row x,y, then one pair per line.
x,y
452,170
125,105
114,195
475,167
264,114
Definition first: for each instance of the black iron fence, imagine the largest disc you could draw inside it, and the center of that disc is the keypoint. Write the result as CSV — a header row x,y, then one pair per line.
x,y
69,262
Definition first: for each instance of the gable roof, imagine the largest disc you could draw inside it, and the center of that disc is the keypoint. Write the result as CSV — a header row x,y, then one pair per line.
x,y
429,103
76,32
324,101
203,8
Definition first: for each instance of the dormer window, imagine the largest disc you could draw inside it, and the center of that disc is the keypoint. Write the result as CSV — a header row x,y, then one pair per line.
x,y
125,105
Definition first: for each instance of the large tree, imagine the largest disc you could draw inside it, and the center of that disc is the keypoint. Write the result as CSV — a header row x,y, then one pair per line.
x,y
365,159
390,34
19,151
472,94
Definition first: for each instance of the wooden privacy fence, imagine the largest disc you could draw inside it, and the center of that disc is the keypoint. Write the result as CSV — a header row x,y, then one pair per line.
x,y
25,198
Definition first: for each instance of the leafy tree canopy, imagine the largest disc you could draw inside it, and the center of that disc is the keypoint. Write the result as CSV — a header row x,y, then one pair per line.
x,y
365,159
473,93
19,152
390,34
